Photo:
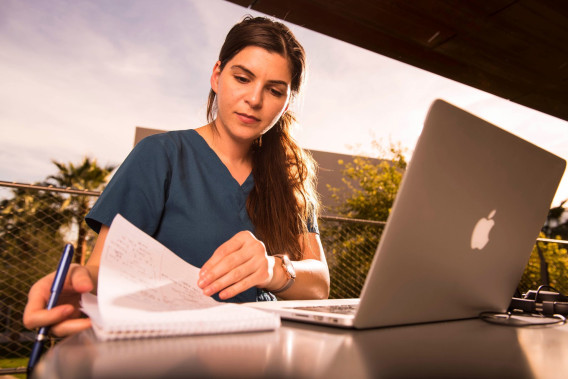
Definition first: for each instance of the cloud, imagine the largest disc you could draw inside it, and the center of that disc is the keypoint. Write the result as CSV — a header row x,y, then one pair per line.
x,y
81,75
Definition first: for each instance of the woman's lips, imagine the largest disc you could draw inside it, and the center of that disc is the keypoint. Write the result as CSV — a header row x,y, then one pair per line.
x,y
246,118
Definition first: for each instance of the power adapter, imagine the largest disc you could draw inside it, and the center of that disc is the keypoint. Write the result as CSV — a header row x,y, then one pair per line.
x,y
543,302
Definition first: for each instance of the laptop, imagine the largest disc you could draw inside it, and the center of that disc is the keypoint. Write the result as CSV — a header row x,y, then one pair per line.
x,y
469,209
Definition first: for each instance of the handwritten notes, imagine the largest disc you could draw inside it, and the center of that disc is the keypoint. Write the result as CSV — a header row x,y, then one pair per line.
x,y
144,289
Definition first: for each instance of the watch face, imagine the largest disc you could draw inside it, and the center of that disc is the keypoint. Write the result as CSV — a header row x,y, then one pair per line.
x,y
291,270
289,267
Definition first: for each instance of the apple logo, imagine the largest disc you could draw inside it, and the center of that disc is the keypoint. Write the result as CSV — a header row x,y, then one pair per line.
x,y
480,235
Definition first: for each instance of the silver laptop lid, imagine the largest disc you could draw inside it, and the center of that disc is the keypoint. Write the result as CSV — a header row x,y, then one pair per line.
x,y
427,266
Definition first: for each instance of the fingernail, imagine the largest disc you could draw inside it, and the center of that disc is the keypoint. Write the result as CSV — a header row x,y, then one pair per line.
x,y
207,292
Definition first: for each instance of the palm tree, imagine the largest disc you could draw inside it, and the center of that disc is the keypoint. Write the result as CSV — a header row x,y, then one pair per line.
x,y
86,176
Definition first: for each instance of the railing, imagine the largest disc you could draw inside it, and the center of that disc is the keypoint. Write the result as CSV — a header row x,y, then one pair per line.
x,y
33,229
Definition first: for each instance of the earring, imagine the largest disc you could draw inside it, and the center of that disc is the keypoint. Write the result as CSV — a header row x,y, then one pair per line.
x,y
259,141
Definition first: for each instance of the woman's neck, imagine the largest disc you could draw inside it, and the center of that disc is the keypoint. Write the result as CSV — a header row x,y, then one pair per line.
x,y
235,155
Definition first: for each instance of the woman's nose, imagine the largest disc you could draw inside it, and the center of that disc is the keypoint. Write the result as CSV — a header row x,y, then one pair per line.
x,y
254,96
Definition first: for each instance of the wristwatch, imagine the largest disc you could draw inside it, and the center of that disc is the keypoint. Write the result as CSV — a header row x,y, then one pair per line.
x,y
288,270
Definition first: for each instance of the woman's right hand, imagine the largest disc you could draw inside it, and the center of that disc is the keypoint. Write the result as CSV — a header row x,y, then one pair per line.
x,y
63,318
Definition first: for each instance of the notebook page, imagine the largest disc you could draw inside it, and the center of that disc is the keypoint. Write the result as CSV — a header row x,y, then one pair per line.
x,y
144,286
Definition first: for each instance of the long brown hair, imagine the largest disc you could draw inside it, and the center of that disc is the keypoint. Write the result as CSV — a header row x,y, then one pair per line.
x,y
284,200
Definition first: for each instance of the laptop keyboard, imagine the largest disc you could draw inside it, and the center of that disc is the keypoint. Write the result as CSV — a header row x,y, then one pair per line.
x,y
344,309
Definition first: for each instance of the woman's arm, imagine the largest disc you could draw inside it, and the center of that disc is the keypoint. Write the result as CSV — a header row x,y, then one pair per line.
x,y
95,259
312,273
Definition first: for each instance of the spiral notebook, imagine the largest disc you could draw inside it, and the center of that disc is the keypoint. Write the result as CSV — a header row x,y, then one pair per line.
x,y
145,290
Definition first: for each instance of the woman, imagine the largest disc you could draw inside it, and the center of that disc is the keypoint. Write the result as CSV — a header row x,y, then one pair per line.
x,y
235,197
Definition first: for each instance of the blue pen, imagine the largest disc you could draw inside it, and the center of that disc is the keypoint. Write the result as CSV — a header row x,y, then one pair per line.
x,y
56,288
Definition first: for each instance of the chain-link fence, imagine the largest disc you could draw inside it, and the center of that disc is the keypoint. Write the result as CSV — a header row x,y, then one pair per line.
x,y
349,246
35,223
33,230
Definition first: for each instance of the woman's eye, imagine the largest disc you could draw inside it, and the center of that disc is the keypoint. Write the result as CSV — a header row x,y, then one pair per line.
x,y
241,79
276,92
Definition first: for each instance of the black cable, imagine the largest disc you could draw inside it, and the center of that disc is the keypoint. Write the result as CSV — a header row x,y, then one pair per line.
x,y
521,319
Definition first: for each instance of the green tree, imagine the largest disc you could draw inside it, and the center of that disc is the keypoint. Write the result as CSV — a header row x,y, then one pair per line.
x,y
548,265
86,176
372,184
370,187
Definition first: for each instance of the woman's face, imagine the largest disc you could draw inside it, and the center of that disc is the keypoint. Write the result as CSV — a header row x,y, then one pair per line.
x,y
253,91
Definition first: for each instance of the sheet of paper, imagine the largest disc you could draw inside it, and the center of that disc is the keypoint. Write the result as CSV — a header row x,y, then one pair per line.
x,y
142,282
140,275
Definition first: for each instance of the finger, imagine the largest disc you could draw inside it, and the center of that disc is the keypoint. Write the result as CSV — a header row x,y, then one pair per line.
x,y
228,247
35,315
227,256
46,317
231,269
238,287
251,273
39,294
70,327
80,279
232,276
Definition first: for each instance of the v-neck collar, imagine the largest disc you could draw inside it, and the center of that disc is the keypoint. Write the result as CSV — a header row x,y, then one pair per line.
x,y
248,182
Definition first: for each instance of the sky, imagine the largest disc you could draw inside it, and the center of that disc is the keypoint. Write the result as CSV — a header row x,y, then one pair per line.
x,y
78,76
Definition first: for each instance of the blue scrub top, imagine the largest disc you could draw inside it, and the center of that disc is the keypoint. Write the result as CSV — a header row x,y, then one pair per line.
x,y
175,188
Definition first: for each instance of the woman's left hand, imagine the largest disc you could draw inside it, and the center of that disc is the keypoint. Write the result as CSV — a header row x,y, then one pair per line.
x,y
237,265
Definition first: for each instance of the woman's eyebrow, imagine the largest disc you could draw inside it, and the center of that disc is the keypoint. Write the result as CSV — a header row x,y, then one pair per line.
x,y
249,72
